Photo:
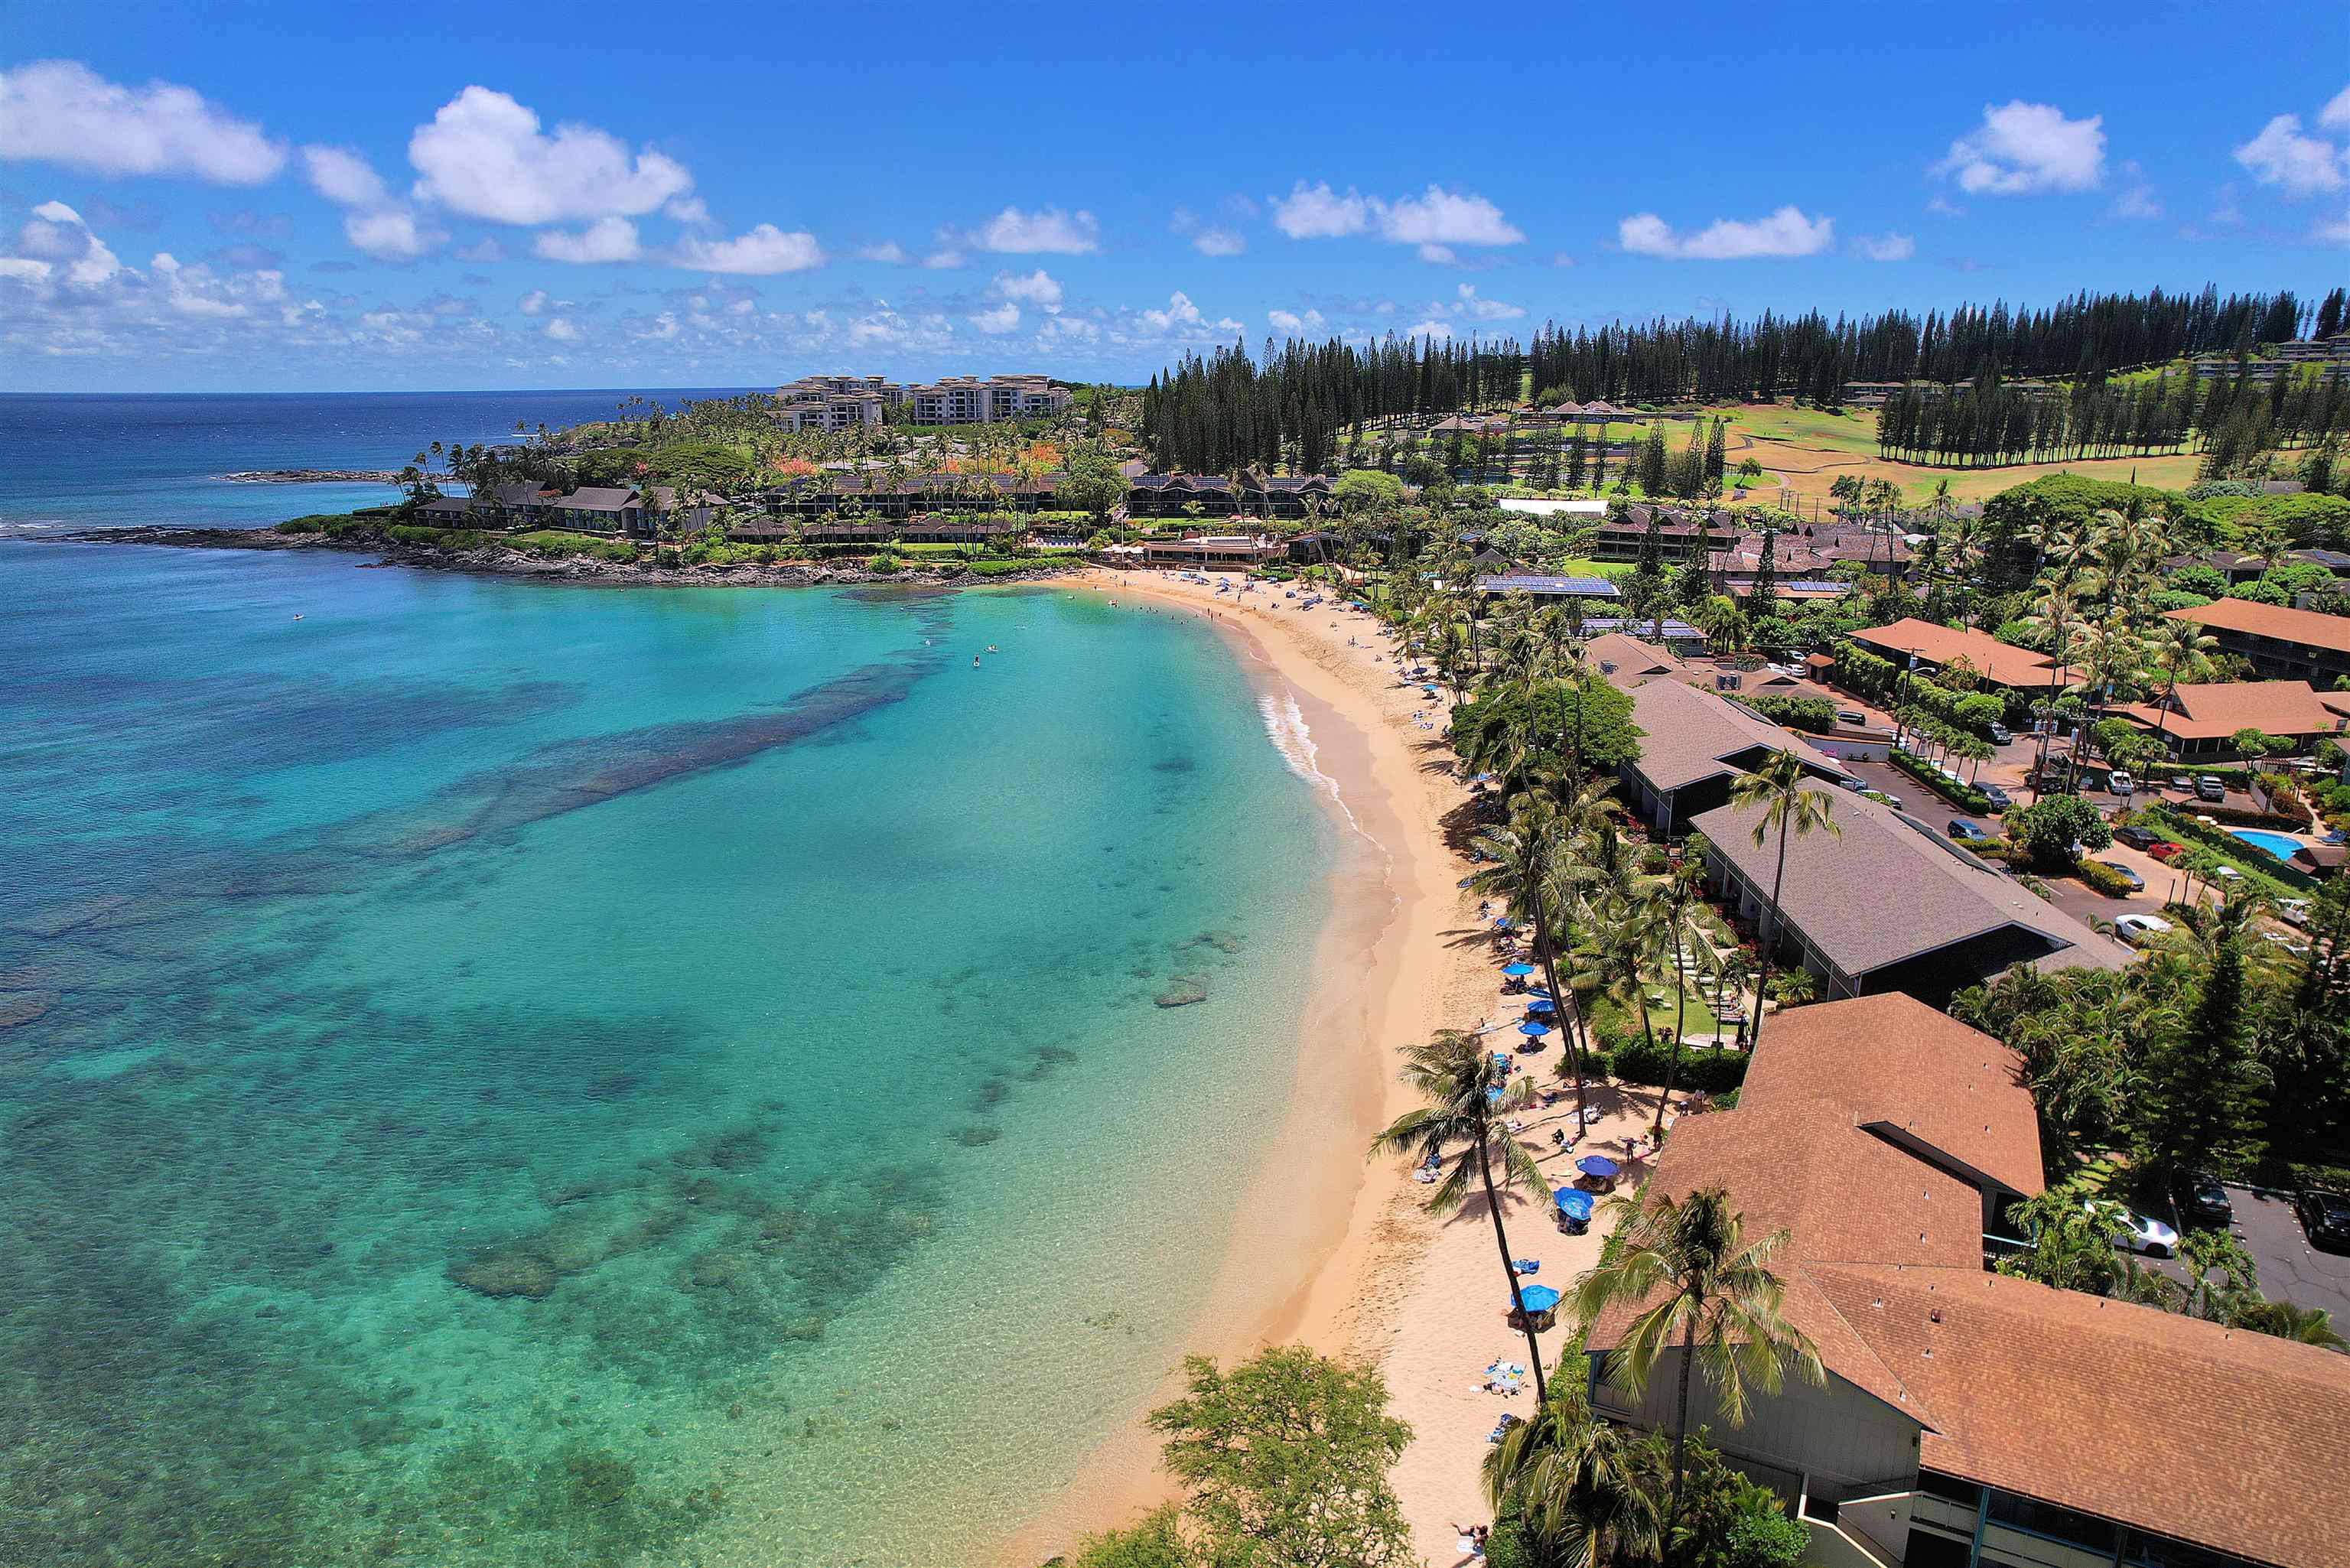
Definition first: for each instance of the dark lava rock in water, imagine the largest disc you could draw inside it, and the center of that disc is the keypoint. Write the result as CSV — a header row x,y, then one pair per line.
x,y
1186,991
500,1274
719,1269
978,1137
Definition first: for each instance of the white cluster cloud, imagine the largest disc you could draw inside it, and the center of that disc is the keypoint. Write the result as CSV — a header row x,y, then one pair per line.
x,y
2302,165
997,319
1887,247
2024,148
1182,318
605,240
1218,242
58,247
1039,288
1785,232
1293,323
484,156
376,223
61,111
1048,231
1479,309
765,250
1435,221
888,252
2137,199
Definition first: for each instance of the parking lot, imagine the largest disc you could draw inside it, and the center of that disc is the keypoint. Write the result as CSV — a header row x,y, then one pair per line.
x,y
2291,1270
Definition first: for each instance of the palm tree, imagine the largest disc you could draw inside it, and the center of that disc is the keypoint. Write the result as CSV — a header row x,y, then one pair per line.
x,y
1678,932
2305,1325
1450,1073
1527,868
1788,808
2181,650
1584,1488
1692,1275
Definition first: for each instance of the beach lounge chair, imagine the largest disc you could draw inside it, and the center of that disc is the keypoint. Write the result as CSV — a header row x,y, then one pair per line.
x,y
1501,1428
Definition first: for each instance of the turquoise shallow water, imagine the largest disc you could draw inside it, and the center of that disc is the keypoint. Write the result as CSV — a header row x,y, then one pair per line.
x,y
505,1074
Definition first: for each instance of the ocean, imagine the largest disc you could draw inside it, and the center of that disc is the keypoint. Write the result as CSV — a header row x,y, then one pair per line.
x,y
112,460
501,1073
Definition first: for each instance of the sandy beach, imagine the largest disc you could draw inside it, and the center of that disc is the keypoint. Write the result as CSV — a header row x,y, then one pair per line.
x,y
1331,1250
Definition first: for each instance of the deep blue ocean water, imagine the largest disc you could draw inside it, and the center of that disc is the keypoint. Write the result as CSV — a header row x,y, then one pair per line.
x,y
112,460
497,1073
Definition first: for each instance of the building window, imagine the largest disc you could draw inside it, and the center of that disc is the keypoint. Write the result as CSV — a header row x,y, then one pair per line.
x,y
2056,1523
1929,1549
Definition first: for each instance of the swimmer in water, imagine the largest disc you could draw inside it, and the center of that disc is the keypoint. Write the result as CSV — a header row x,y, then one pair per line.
x,y
992,647
974,661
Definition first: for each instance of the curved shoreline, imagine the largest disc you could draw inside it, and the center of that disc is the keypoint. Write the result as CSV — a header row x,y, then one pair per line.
x,y
1317,1236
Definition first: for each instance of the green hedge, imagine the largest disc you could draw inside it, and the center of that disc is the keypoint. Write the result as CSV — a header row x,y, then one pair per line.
x,y
2257,863
1918,768
1702,1067
2105,880
1817,714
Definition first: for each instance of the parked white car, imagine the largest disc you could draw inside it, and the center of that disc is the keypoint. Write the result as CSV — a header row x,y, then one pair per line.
x,y
2140,1234
2140,929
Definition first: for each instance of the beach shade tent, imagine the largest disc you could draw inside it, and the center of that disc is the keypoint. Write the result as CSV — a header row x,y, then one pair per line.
x,y
1533,1030
1573,1203
1597,1164
1541,1004
1517,970
1538,1298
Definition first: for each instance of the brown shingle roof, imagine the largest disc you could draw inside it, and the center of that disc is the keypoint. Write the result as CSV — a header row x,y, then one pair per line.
x,y
1885,892
2219,709
1627,661
1896,1063
2230,1439
1687,735
1938,645
2308,628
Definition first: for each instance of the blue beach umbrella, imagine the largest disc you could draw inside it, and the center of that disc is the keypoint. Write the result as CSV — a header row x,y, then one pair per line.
x,y
1541,1004
1574,1205
1500,922
1533,1031
1538,1298
1515,971
1596,1165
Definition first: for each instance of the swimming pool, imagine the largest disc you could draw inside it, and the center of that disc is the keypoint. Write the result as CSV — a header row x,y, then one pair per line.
x,y
2277,844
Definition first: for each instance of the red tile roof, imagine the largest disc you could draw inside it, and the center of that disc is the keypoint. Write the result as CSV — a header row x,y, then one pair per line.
x,y
2310,628
1938,645
1896,1063
2217,710
2230,1439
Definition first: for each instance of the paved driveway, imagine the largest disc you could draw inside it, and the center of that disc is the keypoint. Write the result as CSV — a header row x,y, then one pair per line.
x,y
2291,1270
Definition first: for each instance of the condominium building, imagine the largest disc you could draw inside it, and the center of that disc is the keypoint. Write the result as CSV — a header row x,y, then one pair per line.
x,y
1964,1419
836,402
969,400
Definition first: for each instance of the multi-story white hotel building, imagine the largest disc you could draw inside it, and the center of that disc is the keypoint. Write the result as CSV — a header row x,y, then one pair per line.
x,y
844,402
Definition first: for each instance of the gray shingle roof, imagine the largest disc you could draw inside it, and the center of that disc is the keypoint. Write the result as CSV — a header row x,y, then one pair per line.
x,y
1688,734
1885,891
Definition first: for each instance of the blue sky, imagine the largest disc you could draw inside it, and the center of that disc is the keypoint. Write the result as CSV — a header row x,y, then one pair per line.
x,y
262,197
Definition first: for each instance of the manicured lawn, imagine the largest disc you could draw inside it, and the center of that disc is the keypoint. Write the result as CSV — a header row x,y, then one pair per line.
x,y
1583,566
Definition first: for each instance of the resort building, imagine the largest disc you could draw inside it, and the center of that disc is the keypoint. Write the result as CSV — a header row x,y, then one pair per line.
x,y
1574,512
969,400
2293,644
1547,588
839,490
1886,903
836,402
1214,552
1967,1419
2201,720
1253,494
1694,745
1929,648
